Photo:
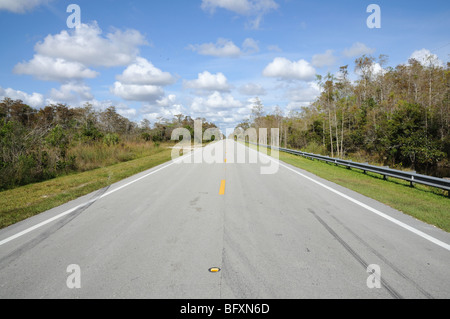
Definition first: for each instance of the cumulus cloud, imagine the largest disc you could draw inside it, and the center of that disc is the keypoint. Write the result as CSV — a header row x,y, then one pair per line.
x,y
302,95
285,69
252,89
133,92
207,82
87,45
426,58
325,59
54,69
167,101
165,108
255,9
142,81
216,101
358,49
225,48
143,72
67,56
21,6
35,100
71,93
222,48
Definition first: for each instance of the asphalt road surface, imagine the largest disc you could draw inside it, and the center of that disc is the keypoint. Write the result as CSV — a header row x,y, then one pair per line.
x,y
284,235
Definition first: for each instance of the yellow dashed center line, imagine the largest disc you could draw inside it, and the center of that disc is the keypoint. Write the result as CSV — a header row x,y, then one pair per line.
x,y
222,188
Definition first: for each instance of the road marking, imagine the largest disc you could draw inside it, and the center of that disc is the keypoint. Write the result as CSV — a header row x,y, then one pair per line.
x,y
68,212
214,269
371,209
222,187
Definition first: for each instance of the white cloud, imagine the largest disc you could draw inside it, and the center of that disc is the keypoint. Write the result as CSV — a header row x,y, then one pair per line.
x,y
121,108
153,112
54,69
222,48
35,100
20,6
208,82
302,95
237,6
143,72
251,8
274,48
129,113
358,49
132,92
225,48
250,46
377,69
65,57
252,89
216,101
142,81
426,58
167,101
88,46
325,59
285,69
71,93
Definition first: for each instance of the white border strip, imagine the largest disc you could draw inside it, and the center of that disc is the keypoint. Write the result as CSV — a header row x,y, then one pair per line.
x,y
373,210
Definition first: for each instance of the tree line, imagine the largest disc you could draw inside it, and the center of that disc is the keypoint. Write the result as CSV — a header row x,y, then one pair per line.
x,y
396,116
36,144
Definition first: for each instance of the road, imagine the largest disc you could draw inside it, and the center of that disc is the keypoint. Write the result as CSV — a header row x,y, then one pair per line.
x,y
286,235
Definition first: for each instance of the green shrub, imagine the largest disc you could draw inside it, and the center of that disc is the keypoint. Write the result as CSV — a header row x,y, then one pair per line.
x,y
111,139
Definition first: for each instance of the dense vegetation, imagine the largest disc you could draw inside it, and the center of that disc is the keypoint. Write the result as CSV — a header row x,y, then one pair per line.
x,y
36,145
393,116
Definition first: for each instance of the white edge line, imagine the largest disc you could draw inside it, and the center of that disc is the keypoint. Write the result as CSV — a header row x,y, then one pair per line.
x,y
373,210
68,212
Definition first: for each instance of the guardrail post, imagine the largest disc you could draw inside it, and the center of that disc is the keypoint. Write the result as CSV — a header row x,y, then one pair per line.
x,y
384,176
411,184
365,172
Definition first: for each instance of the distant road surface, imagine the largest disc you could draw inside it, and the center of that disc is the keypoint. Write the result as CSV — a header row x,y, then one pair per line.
x,y
287,235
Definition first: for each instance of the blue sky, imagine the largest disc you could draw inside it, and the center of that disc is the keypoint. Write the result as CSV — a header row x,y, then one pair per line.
x,y
205,58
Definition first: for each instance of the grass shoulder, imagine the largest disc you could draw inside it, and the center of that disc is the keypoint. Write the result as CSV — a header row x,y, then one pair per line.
x,y
26,201
427,204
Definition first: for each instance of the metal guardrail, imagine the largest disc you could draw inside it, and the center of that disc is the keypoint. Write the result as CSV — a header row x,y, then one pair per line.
x,y
386,172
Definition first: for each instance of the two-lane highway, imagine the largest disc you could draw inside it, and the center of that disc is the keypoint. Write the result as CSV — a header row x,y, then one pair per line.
x,y
284,235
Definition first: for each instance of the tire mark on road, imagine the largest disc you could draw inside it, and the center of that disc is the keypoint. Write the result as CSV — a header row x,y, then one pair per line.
x,y
8,259
384,259
355,255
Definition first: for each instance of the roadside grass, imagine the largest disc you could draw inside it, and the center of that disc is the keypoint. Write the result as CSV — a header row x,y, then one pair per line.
x,y
92,156
26,201
424,203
